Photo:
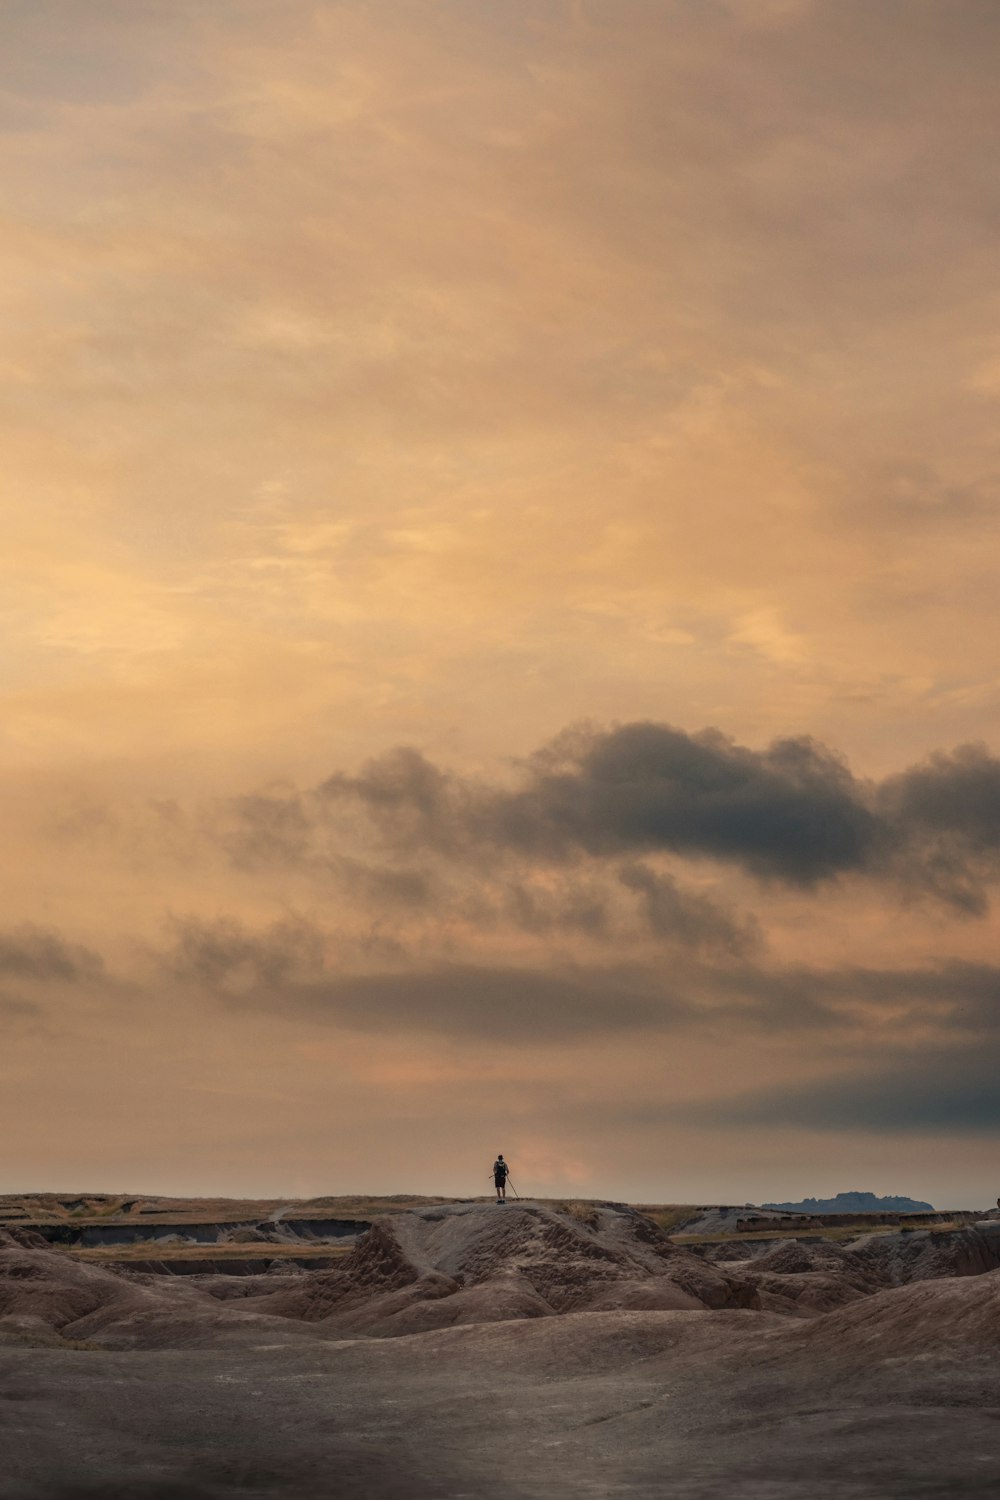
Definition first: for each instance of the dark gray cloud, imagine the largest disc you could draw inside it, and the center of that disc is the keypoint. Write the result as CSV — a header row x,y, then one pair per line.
x,y
38,953
953,793
505,1005
948,813
572,906
288,967
792,812
953,997
951,1090
950,1086
293,967
691,918
953,994
15,1010
589,902
411,801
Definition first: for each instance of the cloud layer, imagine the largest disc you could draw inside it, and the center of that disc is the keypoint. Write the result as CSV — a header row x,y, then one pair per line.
x,y
389,386
792,813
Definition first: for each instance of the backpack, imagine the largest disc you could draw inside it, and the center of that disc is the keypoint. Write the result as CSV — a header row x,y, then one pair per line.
x,y
500,1169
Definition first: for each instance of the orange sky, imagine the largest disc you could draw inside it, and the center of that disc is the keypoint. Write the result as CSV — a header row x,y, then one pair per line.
x,y
403,404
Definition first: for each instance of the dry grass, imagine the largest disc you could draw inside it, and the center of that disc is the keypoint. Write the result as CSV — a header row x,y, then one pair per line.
x,y
361,1207
47,1207
831,1232
36,1338
583,1213
156,1250
667,1216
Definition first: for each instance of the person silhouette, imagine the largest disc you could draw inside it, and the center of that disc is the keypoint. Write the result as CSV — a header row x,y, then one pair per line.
x,y
500,1175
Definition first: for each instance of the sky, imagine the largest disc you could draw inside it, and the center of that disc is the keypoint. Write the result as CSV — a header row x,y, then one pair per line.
x,y
499,597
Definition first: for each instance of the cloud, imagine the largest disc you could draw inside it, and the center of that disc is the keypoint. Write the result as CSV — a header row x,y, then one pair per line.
x,y
268,827
506,1006
42,955
292,967
952,993
948,1091
14,1010
948,810
410,800
564,906
405,836
432,375
588,838
226,955
282,969
948,1085
295,968
792,812
689,917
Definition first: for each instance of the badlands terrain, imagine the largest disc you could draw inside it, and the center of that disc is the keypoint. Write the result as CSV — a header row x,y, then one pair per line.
x,y
414,1348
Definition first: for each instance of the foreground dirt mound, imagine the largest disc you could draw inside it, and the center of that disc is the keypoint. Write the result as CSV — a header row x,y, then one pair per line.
x,y
805,1278
893,1397
40,1287
50,1299
435,1267
950,1322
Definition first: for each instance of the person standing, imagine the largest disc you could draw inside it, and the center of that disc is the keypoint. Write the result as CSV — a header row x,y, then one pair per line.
x,y
501,1172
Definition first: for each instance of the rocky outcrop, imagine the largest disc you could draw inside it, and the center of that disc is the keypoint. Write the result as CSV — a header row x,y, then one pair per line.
x,y
855,1203
477,1263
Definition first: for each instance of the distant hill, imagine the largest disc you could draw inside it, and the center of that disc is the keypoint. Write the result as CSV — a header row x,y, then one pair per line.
x,y
855,1203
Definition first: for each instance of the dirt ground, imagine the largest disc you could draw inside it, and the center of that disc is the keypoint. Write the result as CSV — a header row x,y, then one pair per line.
x,y
802,1371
